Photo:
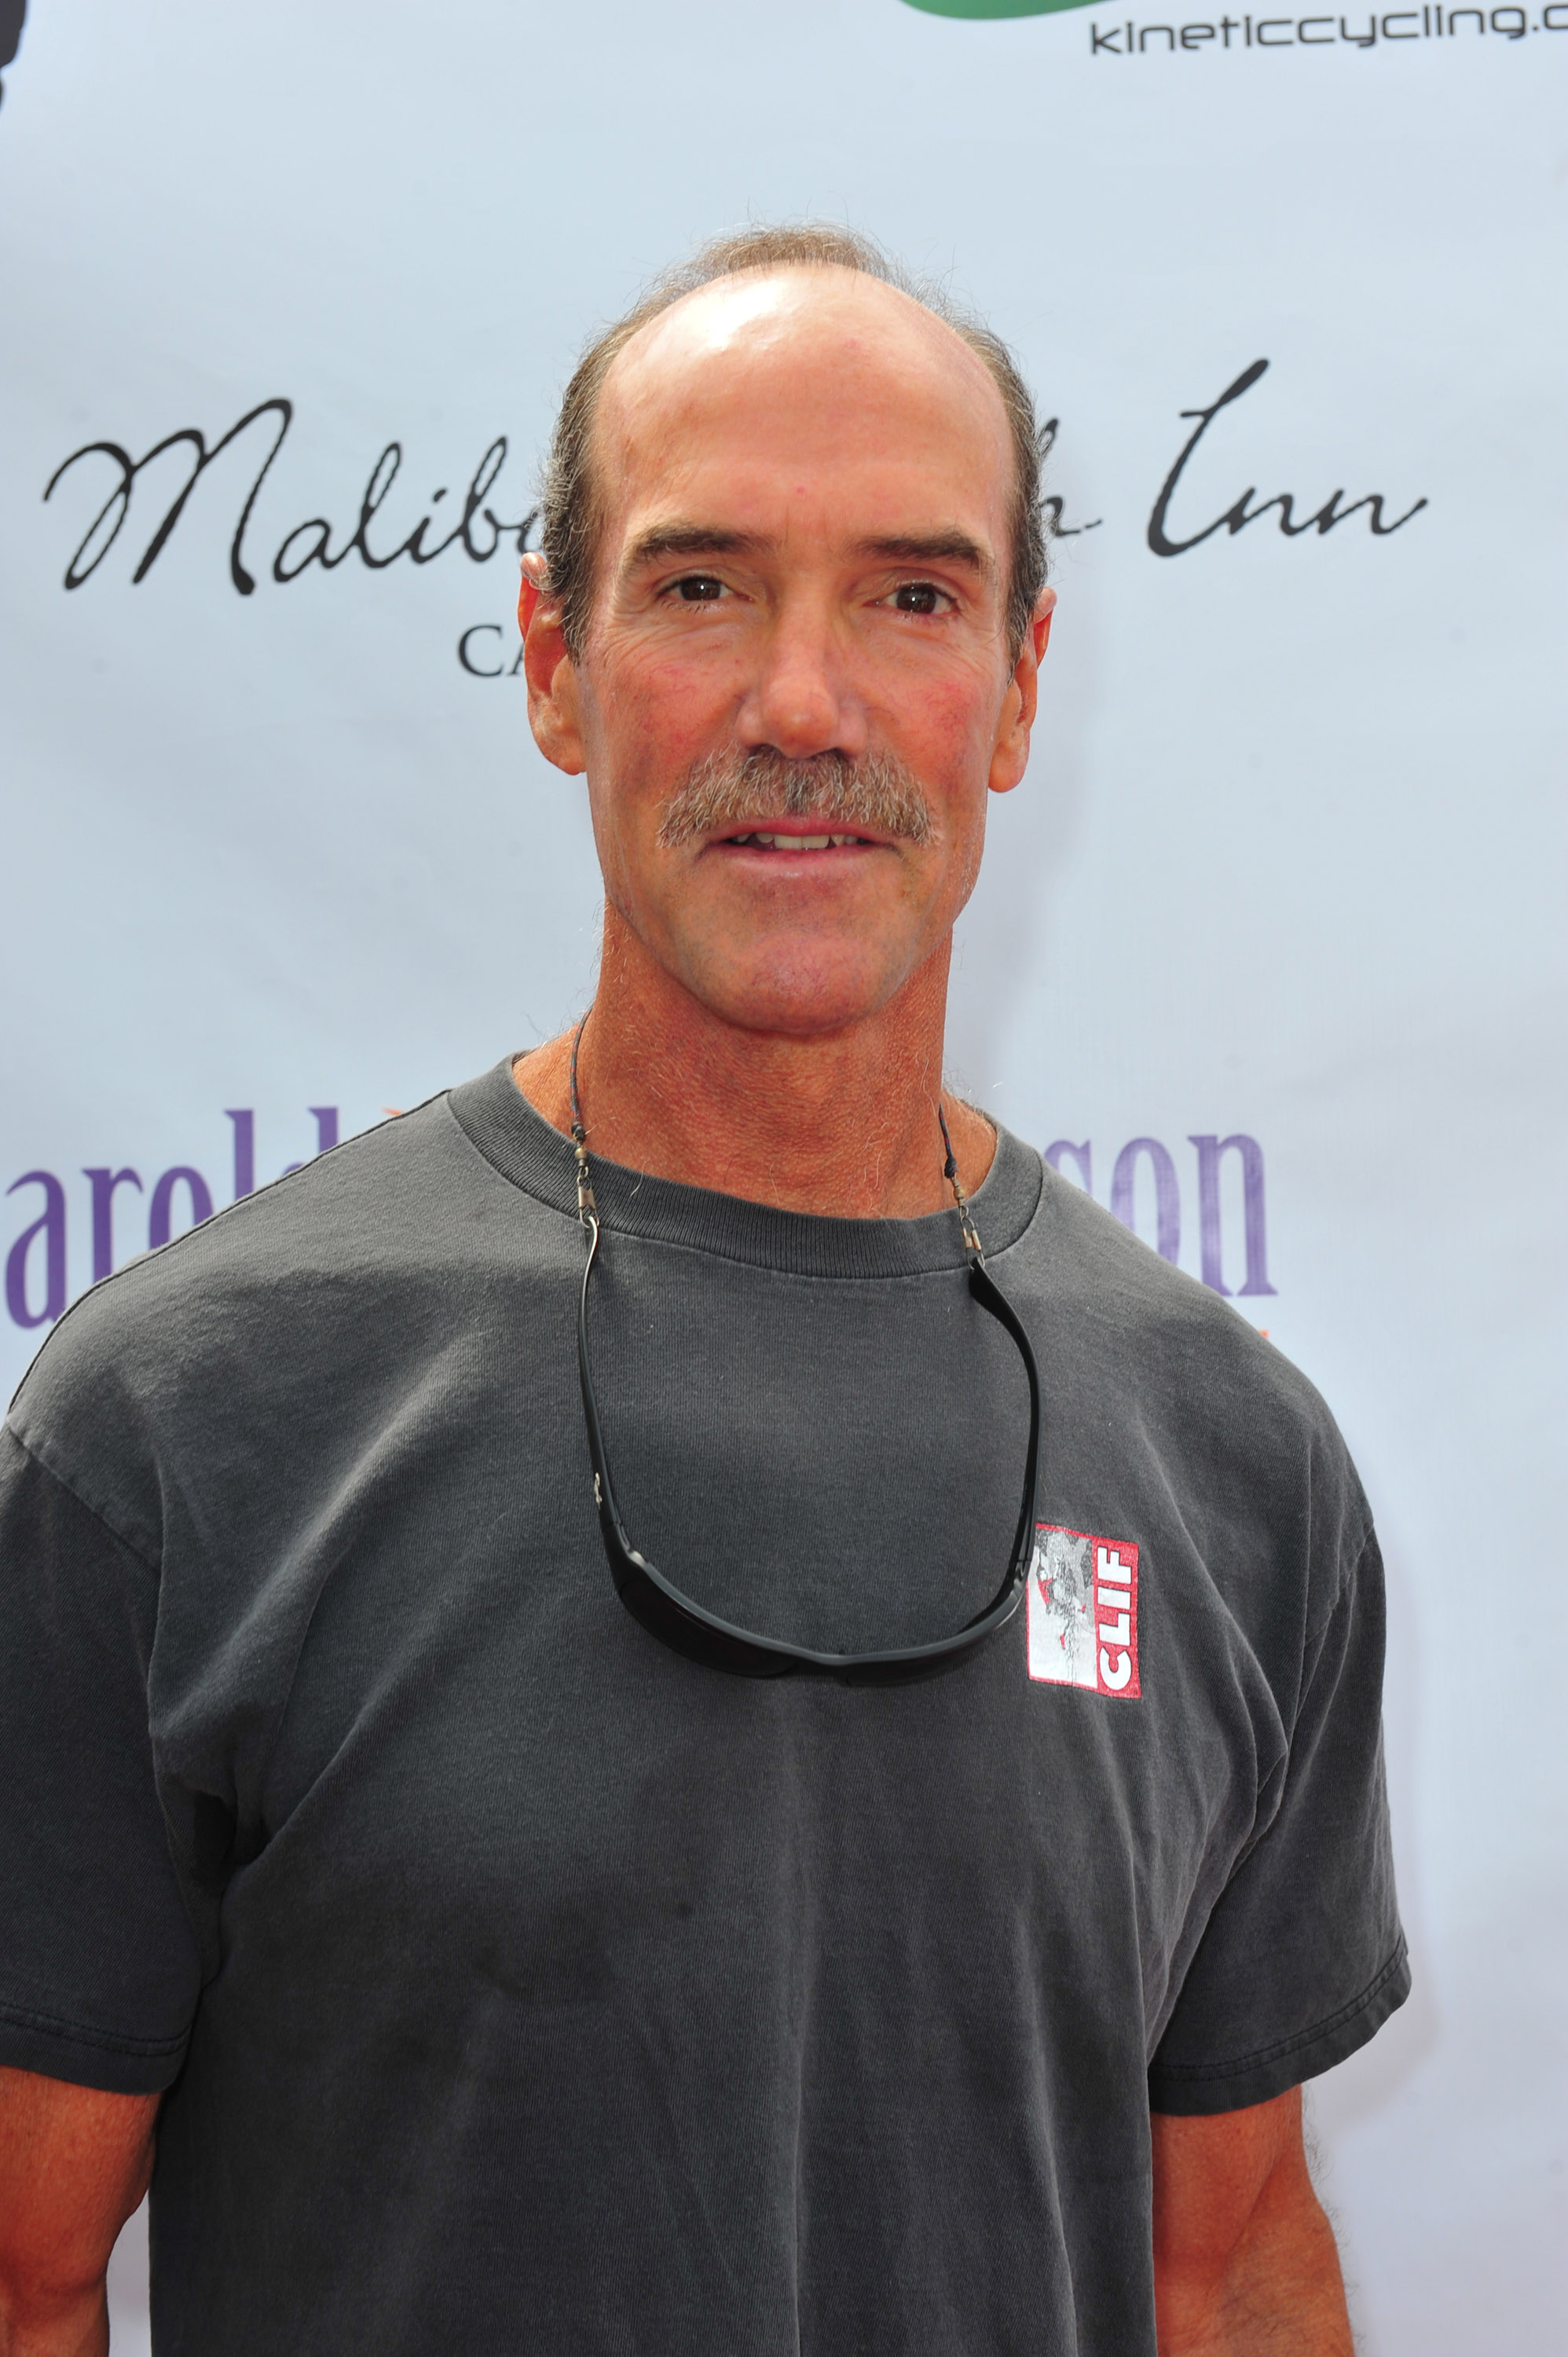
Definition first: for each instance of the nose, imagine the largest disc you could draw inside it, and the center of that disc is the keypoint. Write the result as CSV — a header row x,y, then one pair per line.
x,y
802,700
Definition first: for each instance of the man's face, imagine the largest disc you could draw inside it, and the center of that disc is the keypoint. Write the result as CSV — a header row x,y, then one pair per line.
x,y
805,483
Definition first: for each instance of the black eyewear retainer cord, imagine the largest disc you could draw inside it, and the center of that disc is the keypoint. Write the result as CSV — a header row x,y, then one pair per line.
x,y
684,1625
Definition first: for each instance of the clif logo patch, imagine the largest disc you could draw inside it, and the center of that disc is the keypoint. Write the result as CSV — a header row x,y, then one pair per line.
x,y
1083,1611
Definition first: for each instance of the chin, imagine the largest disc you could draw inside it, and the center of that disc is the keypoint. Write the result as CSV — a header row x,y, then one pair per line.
x,y
799,998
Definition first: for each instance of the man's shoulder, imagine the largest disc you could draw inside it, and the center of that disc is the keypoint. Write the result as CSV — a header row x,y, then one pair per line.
x,y
330,1274
1170,1358
351,1205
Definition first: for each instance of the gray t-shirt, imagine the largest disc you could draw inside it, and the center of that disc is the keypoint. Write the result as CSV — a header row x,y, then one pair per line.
x,y
521,1986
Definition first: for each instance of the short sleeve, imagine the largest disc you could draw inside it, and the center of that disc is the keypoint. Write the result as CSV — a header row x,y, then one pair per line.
x,y
1303,1959
98,1963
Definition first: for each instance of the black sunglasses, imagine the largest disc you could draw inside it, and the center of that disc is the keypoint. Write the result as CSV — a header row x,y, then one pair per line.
x,y
679,1622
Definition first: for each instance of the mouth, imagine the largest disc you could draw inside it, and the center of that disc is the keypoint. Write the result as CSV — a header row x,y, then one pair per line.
x,y
774,839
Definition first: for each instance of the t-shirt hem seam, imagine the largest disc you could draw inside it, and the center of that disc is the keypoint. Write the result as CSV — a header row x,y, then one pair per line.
x,y
78,2034
1277,2052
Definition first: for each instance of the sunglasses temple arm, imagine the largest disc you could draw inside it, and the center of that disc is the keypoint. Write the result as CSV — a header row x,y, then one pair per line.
x,y
610,1524
991,1297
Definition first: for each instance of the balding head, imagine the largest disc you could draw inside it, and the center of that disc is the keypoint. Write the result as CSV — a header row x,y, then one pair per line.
x,y
793,517
721,329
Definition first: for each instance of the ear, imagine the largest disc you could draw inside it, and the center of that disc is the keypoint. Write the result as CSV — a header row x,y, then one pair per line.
x,y
552,708
1010,754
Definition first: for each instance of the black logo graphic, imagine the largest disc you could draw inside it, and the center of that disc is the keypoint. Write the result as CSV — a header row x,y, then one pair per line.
x,y
480,532
479,529
1234,517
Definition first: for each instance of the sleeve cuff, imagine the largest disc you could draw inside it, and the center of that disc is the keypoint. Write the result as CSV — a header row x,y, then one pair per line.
x,y
117,2065
1194,2088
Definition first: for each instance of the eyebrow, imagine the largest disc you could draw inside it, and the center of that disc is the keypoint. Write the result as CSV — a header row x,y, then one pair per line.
x,y
947,547
932,548
666,540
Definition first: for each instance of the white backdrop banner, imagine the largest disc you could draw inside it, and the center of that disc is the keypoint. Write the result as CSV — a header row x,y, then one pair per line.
x,y
1267,950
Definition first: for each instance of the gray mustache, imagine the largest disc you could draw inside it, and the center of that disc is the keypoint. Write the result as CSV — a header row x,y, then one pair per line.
x,y
877,792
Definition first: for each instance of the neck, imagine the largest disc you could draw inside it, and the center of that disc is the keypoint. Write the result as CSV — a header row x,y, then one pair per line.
x,y
844,1124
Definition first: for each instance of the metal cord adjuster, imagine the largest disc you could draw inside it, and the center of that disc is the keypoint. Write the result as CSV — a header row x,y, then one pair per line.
x,y
971,1233
588,1210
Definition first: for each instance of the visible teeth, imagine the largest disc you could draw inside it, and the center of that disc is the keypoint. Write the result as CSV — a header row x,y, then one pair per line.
x,y
796,842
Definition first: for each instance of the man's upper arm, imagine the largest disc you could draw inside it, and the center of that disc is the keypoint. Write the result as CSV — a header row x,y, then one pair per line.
x,y
74,2163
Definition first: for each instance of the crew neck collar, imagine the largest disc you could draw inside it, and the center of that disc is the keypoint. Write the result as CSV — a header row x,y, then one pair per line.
x,y
518,1141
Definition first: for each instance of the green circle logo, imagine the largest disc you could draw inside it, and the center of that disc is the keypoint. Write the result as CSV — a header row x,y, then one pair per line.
x,y
994,7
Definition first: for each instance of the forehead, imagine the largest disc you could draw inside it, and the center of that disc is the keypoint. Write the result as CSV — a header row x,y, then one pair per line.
x,y
822,388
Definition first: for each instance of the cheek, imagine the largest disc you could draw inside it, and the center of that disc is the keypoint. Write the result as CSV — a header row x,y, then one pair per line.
x,y
948,723
951,745
650,719
655,714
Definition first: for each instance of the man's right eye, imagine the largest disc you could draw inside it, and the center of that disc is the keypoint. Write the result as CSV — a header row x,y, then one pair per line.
x,y
699,589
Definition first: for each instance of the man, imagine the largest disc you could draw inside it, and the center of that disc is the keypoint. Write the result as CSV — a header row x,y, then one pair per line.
x,y
529,1973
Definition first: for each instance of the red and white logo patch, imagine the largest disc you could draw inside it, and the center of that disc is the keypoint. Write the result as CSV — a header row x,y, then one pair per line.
x,y
1083,1611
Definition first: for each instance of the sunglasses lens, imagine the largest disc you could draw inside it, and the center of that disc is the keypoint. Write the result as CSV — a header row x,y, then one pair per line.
x,y
712,1649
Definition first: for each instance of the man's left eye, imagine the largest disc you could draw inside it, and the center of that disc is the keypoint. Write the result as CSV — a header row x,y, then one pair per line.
x,y
918,598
